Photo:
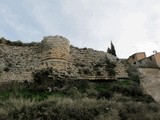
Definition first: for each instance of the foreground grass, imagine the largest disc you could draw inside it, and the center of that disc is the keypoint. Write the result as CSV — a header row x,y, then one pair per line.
x,y
50,99
77,100
64,108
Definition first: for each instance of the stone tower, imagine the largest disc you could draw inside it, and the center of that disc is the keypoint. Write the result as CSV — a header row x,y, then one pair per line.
x,y
55,53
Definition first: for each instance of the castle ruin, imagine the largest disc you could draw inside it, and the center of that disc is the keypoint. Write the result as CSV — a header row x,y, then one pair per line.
x,y
20,61
55,53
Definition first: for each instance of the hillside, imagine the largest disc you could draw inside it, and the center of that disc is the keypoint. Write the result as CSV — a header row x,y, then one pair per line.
x,y
55,80
47,98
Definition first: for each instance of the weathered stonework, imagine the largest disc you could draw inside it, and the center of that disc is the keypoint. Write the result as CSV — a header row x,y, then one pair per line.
x,y
150,81
55,53
18,63
140,60
21,62
136,57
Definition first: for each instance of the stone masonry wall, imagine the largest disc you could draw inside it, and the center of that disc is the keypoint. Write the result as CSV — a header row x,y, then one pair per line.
x,y
55,52
91,64
20,62
17,62
150,81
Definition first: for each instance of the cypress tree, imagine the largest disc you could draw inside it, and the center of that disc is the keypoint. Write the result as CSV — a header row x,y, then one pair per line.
x,y
112,50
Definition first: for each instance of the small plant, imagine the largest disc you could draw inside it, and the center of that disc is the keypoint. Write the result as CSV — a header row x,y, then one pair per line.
x,y
98,73
87,71
133,74
80,64
98,64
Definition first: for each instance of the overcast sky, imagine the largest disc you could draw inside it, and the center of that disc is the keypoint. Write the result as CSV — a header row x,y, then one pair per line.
x,y
132,25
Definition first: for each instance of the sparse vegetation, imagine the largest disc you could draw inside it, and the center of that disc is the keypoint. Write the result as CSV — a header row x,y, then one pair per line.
x,y
16,43
76,99
110,67
87,71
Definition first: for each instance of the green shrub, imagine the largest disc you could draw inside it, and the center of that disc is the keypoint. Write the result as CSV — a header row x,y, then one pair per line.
x,y
87,109
87,71
110,67
111,72
98,73
99,64
133,74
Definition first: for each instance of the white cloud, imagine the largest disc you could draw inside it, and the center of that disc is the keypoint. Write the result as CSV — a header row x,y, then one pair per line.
x,y
133,25
124,22
12,21
149,47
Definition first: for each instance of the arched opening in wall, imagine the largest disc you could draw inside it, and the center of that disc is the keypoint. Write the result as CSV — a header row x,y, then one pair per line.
x,y
134,63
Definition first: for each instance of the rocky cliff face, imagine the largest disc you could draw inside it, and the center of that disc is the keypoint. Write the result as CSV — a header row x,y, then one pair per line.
x,y
150,81
20,62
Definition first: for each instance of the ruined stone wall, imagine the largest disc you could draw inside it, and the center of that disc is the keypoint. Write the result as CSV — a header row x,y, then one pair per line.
x,y
91,64
20,62
150,81
136,57
55,52
152,61
149,62
157,59
121,69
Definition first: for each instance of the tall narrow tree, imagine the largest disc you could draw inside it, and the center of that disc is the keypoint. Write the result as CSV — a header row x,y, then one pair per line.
x,y
112,50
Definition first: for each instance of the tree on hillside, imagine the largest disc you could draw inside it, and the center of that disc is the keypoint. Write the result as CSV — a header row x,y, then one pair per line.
x,y
112,50
109,50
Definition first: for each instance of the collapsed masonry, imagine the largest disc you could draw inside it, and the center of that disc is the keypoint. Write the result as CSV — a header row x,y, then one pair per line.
x,y
20,62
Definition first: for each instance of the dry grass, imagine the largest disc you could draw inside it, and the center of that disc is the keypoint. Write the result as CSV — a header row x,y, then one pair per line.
x,y
13,104
79,109
19,103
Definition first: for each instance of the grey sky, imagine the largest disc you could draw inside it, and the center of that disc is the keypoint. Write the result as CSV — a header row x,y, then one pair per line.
x,y
132,25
